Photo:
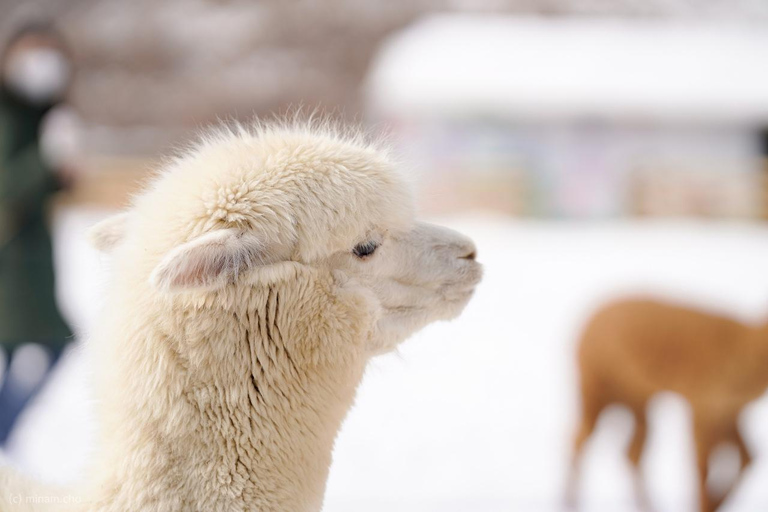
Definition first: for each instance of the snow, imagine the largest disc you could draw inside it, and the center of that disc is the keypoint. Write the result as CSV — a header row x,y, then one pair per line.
x,y
573,67
476,414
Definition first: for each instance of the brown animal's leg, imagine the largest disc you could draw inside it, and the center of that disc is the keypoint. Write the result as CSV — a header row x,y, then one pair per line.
x,y
591,406
705,442
635,452
745,457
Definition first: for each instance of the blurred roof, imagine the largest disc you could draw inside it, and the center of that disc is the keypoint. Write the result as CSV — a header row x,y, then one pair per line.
x,y
151,72
574,68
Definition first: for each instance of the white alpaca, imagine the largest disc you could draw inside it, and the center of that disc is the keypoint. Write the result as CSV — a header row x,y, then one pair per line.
x,y
252,282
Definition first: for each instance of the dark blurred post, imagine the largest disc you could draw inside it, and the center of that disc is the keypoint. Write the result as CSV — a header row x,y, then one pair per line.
x,y
36,71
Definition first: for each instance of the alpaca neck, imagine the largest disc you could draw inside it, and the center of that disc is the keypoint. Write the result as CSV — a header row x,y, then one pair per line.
x,y
224,441
235,407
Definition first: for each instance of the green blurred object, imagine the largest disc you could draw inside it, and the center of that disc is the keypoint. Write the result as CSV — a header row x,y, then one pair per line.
x,y
28,311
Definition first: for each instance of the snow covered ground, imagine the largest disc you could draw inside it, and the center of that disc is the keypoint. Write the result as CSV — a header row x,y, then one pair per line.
x,y
476,415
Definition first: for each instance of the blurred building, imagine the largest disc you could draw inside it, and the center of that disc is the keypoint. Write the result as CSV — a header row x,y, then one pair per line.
x,y
580,117
152,72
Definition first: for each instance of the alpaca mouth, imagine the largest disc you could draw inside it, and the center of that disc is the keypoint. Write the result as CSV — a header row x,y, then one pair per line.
x,y
464,295
465,282
462,292
474,274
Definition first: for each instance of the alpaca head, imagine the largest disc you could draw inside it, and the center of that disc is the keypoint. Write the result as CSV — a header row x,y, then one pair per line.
x,y
251,208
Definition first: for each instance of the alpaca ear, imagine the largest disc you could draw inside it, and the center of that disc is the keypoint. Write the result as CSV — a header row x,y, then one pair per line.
x,y
209,261
105,235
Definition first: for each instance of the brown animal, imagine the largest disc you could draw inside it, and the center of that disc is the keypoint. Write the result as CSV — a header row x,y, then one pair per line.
x,y
633,349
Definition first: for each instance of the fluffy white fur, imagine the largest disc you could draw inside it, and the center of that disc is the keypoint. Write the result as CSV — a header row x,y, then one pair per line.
x,y
239,320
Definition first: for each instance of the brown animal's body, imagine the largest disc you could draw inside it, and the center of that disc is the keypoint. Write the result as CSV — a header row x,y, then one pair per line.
x,y
633,349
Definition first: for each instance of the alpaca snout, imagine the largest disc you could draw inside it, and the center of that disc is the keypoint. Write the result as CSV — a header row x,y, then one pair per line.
x,y
468,252
449,245
466,249
459,245
469,268
474,273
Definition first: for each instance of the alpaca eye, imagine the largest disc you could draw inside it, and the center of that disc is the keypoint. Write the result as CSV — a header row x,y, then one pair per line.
x,y
365,249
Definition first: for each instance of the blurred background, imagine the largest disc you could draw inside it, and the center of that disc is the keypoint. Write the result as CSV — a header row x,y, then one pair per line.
x,y
592,148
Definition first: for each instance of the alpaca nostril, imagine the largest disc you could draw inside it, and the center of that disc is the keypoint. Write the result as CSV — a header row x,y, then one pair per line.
x,y
471,256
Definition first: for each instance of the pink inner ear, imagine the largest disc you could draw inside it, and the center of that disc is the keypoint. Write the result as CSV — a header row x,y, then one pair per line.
x,y
198,272
209,259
